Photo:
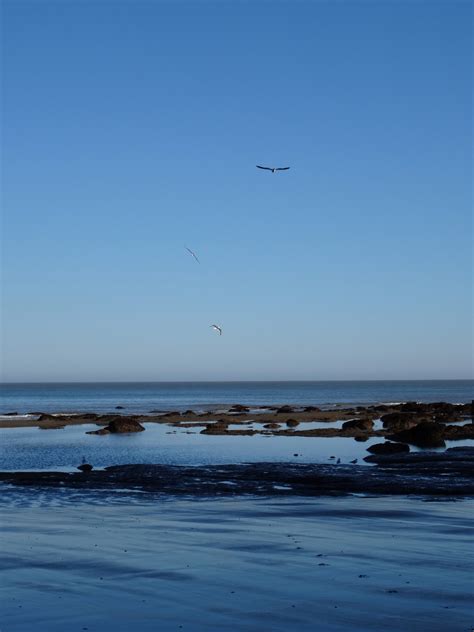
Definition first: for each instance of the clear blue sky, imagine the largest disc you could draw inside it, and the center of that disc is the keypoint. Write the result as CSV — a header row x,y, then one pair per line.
x,y
132,129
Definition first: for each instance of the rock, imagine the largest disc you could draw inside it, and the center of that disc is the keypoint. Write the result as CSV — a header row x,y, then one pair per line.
x,y
388,448
459,432
399,421
47,417
119,425
125,424
426,434
284,409
366,425
85,467
292,423
413,407
218,428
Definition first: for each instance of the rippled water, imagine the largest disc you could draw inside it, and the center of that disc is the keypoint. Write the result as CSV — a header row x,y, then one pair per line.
x,y
146,396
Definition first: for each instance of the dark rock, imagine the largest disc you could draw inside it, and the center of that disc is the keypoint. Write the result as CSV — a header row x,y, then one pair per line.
x,y
459,432
285,409
399,421
47,417
125,424
238,408
119,425
85,467
218,428
292,423
358,424
388,448
413,407
427,434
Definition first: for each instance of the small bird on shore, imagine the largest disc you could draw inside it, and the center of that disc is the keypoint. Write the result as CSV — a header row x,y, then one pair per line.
x,y
273,169
217,328
192,253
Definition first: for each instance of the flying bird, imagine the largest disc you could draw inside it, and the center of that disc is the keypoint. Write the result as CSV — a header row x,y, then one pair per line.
x,y
192,253
217,328
273,169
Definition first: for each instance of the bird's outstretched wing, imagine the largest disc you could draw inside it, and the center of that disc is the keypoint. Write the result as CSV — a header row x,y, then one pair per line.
x,y
282,169
192,253
267,168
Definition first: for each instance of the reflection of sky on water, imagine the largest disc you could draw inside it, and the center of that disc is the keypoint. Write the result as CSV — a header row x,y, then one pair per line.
x,y
31,448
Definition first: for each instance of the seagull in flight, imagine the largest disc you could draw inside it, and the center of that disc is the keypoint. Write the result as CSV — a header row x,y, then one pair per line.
x,y
217,328
273,169
192,253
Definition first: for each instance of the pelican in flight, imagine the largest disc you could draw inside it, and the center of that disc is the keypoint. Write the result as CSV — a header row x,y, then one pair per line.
x,y
192,253
273,169
217,328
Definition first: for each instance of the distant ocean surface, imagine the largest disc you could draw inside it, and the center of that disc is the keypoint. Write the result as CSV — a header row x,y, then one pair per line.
x,y
143,397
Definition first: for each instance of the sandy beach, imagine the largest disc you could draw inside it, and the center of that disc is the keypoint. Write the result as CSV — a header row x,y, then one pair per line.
x,y
120,561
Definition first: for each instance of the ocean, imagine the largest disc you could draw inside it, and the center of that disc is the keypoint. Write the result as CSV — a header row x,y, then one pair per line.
x,y
143,397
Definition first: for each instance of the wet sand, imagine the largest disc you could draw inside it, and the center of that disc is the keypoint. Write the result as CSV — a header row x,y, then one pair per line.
x,y
102,561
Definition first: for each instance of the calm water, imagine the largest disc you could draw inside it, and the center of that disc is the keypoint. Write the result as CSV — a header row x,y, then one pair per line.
x,y
146,396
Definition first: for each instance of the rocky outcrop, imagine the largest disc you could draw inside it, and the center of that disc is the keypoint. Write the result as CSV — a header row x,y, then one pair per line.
x,y
388,448
427,434
284,410
120,425
364,425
